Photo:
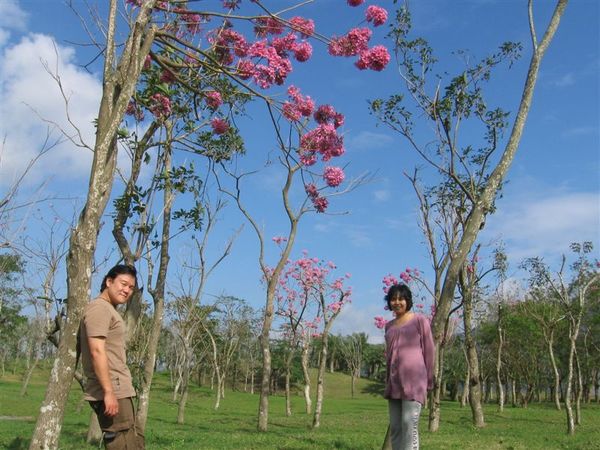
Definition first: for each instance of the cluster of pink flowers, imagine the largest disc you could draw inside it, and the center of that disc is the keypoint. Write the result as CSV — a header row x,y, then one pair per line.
x,y
299,105
213,99
219,126
306,27
167,76
160,106
377,15
327,114
133,109
333,176
192,22
320,203
356,42
263,26
375,58
380,322
324,140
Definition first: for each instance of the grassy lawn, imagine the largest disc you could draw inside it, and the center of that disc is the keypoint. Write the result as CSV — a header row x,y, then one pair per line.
x,y
347,423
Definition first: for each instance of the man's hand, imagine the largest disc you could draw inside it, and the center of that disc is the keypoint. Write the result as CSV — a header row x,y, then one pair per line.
x,y
111,404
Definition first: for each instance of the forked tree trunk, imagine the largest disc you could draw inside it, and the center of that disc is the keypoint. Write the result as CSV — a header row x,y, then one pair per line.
x,y
481,207
118,87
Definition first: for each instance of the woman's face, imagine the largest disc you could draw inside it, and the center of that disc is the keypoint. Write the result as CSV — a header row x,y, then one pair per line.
x,y
398,305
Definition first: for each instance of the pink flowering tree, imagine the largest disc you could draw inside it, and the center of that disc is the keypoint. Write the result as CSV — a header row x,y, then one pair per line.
x,y
188,70
295,311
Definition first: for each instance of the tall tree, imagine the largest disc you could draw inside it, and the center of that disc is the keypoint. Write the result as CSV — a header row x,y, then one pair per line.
x,y
475,174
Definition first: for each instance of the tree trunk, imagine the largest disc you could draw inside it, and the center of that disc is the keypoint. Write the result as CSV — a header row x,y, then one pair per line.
x,y
118,87
158,295
288,400
472,359
436,394
556,392
306,375
481,207
499,363
94,434
320,383
182,404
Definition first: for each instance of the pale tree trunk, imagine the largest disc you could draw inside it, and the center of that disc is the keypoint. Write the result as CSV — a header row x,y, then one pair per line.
x,y
499,362
94,434
183,398
472,360
579,391
466,386
118,87
556,393
306,375
481,207
288,399
320,383
158,295
436,394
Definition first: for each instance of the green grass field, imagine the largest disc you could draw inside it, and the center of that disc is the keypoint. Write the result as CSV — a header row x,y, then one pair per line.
x,y
358,423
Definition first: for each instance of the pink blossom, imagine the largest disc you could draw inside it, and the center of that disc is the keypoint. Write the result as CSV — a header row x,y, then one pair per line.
x,y
333,176
305,26
299,106
326,113
192,22
324,140
311,190
285,44
167,76
219,125
321,204
279,239
376,14
160,106
354,42
268,25
213,99
231,4
245,69
308,158
134,110
355,2
375,58
302,51
380,322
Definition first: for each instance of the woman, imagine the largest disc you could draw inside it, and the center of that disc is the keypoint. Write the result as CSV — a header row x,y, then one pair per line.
x,y
409,355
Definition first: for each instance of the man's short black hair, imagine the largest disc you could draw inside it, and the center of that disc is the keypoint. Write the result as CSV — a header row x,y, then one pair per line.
x,y
119,269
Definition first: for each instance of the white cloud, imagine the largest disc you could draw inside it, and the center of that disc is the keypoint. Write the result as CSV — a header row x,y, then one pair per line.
x,y
367,140
580,131
11,18
29,94
381,195
354,319
545,225
567,79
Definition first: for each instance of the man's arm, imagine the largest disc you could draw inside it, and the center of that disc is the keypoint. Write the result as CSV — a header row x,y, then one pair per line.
x,y
100,363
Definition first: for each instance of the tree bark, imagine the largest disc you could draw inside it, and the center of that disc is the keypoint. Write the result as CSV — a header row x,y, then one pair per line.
x,y
118,87
306,375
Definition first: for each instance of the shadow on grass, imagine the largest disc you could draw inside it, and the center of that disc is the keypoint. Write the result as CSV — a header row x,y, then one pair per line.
x,y
18,444
373,388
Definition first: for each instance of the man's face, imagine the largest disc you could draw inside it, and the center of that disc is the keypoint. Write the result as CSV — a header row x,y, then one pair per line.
x,y
120,289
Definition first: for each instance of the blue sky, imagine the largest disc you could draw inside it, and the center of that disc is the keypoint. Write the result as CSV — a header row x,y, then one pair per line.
x,y
552,197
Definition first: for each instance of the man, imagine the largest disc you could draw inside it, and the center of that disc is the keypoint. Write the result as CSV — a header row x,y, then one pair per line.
x,y
102,339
